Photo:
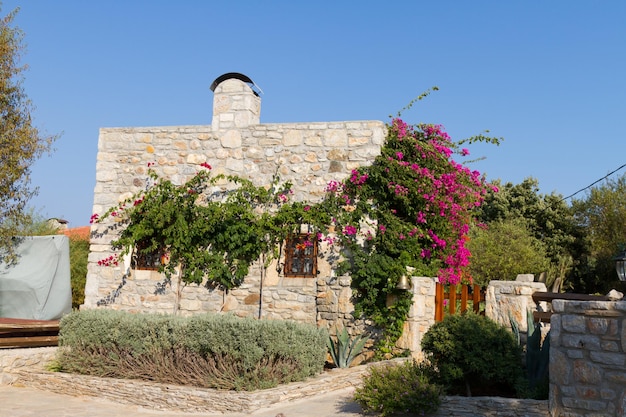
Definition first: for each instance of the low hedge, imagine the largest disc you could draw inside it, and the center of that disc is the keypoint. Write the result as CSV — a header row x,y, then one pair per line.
x,y
208,350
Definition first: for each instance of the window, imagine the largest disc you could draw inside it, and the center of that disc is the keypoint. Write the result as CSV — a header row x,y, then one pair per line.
x,y
147,260
301,256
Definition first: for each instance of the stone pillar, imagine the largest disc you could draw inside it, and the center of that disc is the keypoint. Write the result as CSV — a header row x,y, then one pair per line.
x,y
235,106
588,358
505,299
334,305
421,315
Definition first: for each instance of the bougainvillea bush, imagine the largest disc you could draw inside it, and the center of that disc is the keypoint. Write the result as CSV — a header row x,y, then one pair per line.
x,y
411,208
210,229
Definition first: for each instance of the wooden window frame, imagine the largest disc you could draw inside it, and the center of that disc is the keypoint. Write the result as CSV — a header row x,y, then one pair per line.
x,y
147,261
297,253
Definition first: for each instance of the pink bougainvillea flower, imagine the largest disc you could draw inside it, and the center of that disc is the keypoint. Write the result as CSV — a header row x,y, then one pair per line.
x,y
349,230
333,186
109,261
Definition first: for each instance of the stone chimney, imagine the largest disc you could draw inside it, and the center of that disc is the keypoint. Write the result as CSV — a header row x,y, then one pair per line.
x,y
236,102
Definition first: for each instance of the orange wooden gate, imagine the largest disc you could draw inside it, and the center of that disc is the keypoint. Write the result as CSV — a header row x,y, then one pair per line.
x,y
455,294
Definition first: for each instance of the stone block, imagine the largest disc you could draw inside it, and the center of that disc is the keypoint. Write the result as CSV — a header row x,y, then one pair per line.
x,y
573,324
525,278
252,299
586,373
608,358
560,368
580,341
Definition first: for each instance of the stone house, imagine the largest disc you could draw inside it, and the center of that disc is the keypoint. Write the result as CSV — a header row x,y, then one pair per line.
x,y
307,154
588,342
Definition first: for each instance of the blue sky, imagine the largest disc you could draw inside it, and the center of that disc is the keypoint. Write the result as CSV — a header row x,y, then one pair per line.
x,y
547,76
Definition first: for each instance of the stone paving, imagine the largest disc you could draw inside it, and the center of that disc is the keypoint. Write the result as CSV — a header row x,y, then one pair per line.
x,y
19,401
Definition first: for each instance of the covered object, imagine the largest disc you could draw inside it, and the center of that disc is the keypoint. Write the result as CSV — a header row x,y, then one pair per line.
x,y
38,287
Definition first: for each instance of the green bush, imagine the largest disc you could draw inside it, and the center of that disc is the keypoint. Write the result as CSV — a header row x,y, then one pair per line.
x,y
399,388
208,350
473,355
79,253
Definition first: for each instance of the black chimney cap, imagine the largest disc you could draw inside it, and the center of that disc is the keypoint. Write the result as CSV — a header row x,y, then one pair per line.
x,y
238,76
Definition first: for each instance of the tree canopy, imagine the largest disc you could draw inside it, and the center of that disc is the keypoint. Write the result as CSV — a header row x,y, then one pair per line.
x,y
602,213
503,249
21,143
549,227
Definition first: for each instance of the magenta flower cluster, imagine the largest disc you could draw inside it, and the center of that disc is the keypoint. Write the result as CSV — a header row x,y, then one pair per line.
x,y
112,260
428,202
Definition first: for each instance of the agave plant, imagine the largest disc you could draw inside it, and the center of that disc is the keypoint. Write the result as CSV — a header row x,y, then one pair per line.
x,y
537,353
345,349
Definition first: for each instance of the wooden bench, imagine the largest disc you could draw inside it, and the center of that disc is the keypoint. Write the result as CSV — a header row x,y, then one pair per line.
x,y
544,316
16,333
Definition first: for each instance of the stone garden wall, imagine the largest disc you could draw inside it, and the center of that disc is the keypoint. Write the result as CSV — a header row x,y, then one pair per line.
x,y
13,361
29,371
588,358
512,299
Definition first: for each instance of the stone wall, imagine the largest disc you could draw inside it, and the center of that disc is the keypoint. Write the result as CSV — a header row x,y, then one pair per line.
x,y
588,358
506,299
334,303
307,154
12,361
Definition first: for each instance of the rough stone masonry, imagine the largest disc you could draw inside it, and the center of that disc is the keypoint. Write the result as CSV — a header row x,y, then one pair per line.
x,y
307,154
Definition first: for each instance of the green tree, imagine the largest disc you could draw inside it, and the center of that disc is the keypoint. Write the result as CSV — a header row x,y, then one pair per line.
x,y
602,213
504,248
35,224
547,217
21,142
79,255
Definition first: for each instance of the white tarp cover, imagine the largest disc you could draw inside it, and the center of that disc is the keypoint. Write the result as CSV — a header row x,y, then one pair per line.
x,y
38,287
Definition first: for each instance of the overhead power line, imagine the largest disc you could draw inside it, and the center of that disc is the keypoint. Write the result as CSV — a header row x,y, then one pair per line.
x,y
593,183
